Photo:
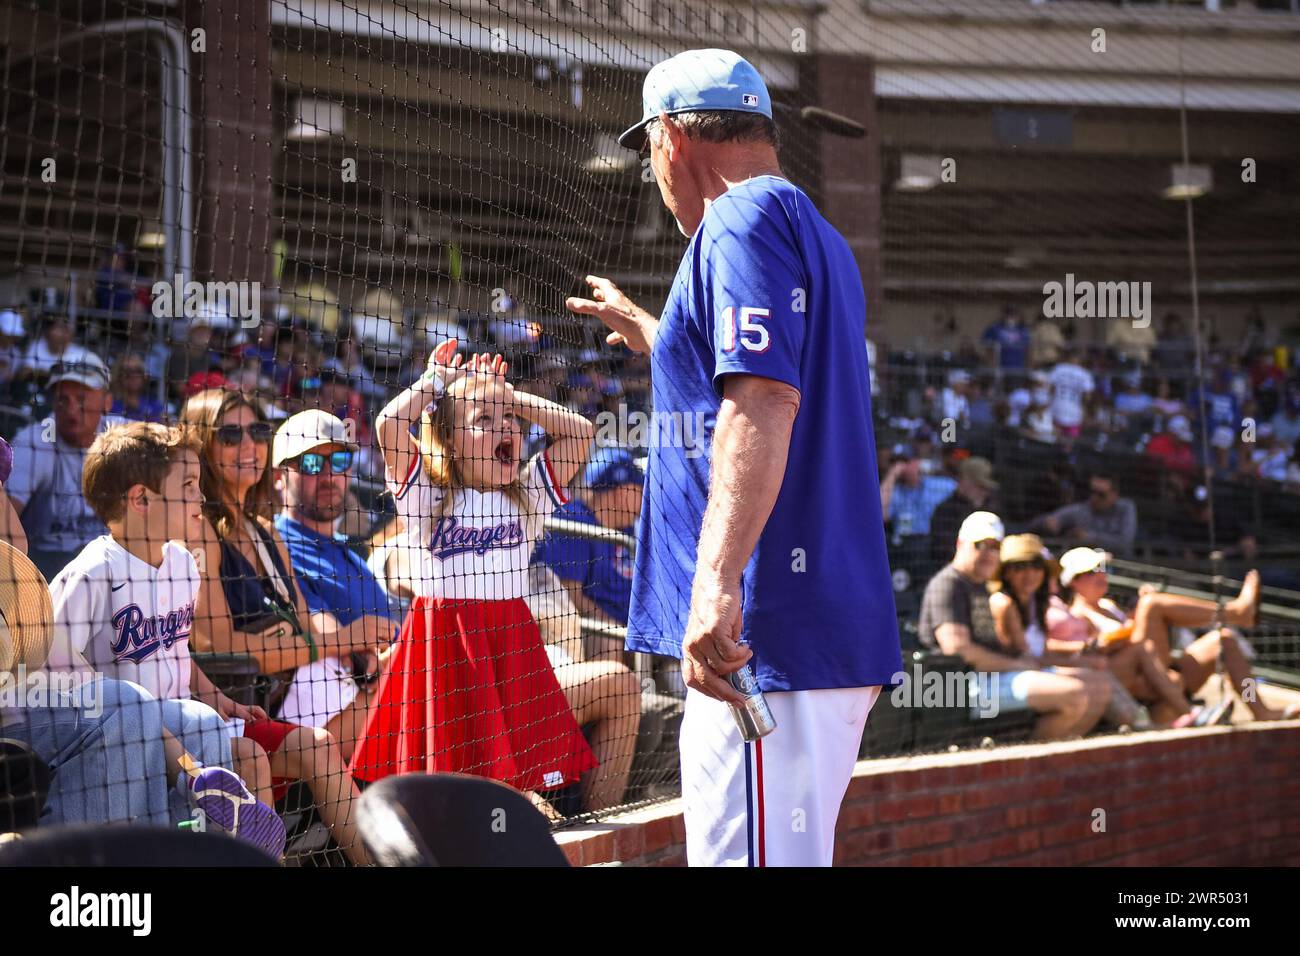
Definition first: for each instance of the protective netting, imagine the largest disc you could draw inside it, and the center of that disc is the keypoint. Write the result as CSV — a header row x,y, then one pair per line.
x,y
260,220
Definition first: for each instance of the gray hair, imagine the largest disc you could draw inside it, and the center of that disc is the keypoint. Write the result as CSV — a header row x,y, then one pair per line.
x,y
722,126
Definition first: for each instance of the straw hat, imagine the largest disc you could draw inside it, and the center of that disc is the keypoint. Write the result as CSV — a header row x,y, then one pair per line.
x,y
26,613
1025,547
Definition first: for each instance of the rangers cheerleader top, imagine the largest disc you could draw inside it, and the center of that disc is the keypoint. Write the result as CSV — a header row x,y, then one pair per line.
x,y
477,549
122,617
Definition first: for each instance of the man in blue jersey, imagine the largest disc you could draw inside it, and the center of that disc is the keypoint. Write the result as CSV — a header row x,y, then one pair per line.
x,y
769,547
598,574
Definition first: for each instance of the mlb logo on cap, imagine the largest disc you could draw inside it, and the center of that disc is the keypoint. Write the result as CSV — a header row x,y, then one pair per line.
x,y
699,80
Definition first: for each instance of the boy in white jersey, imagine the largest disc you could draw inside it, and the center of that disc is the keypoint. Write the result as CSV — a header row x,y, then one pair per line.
x,y
125,605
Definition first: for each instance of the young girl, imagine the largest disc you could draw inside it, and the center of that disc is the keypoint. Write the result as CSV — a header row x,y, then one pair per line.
x,y
469,688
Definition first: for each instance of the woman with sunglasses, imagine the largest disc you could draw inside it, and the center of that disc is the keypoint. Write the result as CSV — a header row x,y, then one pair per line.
x,y
1018,600
1083,574
1030,619
252,604
314,454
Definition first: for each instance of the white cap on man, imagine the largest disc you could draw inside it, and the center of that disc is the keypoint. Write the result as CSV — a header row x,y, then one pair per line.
x,y
89,371
307,430
981,526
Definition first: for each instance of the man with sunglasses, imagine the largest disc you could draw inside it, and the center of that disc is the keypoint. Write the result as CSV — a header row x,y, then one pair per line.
x,y
1104,521
314,454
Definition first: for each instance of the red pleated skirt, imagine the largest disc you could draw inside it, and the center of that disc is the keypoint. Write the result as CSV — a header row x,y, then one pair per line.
x,y
470,689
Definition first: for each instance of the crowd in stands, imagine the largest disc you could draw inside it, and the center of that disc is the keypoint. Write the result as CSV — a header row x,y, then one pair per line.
x,y
1063,651
260,443
1136,389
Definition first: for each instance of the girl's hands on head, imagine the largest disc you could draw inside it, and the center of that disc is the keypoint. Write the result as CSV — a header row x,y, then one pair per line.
x,y
445,363
489,366
450,366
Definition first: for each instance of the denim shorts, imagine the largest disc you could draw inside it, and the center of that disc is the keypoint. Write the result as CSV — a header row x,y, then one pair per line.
x,y
1007,691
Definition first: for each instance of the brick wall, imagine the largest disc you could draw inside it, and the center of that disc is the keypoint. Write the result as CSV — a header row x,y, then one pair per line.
x,y
1218,797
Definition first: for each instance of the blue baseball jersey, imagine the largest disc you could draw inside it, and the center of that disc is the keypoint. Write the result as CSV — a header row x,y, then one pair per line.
x,y
604,569
767,287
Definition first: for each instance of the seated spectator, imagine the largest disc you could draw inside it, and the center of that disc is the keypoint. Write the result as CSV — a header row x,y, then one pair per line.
x,y
1166,402
1027,615
1268,459
192,353
115,281
598,574
1222,410
1171,448
1038,423
909,496
105,741
124,607
957,619
143,339
12,332
1191,529
252,603
1286,422
132,399
45,486
1105,519
1132,404
1072,388
1046,343
1131,342
1083,571
314,455
954,399
1174,348
976,490
54,347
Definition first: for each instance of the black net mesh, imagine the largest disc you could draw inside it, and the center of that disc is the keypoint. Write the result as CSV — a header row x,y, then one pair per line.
x,y
228,214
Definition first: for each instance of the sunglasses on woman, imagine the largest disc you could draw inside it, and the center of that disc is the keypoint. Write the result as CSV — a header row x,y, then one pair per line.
x,y
1022,565
259,432
313,463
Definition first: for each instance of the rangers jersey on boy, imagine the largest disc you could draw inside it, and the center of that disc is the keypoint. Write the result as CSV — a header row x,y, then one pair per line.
x,y
122,617
477,550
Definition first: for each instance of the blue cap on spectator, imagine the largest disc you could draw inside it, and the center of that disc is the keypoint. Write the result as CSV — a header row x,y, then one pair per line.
x,y
611,467
699,80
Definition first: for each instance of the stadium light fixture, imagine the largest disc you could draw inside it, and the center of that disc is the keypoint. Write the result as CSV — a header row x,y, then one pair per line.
x,y
316,119
917,173
150,235
608,156
1188,182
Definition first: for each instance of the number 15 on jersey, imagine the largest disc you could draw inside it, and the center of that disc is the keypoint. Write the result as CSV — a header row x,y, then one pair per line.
x,y
752,335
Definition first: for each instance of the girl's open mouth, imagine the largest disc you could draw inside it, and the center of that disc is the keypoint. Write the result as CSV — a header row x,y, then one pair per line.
x,y
505,452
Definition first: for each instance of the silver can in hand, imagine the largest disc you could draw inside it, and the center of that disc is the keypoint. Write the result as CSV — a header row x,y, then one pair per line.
x,y
753,717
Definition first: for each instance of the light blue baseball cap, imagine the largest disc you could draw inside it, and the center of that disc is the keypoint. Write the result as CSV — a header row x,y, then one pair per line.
x,y
699,80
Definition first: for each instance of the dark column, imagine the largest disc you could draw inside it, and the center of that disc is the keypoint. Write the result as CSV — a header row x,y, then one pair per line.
x,y
234,151
850,189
